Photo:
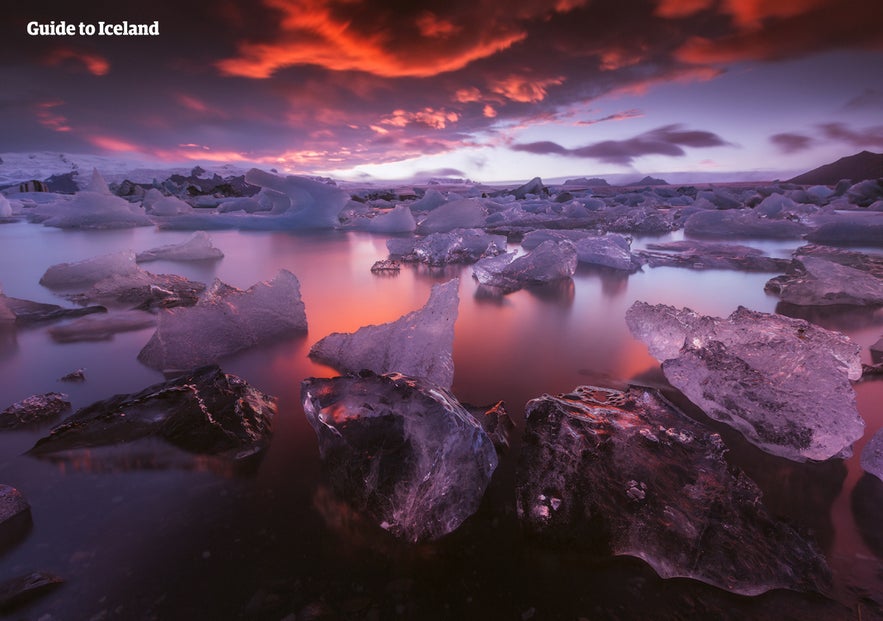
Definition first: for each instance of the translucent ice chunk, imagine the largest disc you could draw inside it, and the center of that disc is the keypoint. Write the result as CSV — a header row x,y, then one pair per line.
x,y
550,261
403,452
418,344
460,214
198,247
225,321
783,383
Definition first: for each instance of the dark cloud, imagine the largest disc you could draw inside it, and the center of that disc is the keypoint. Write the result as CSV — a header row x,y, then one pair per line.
x,y
791,143
868,137
870,98
668,140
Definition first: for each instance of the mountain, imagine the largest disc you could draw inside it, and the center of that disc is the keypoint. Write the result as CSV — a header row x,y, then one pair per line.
x,y
858,167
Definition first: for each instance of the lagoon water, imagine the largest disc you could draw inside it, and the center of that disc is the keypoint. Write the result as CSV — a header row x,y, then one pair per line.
x,y
194,539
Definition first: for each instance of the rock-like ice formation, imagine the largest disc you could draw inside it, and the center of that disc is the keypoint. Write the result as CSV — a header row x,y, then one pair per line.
x,y
459,214
92,208
15,516
198,247
820,276
457,246
418,344
396,220
627,473
783,383
705,255
206,411
403,452
33,409
548,262
872,455
226,320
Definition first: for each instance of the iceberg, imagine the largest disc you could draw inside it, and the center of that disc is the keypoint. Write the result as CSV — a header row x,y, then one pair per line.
x,y
89,271
226,320
708,255
548,262
464,213
457,246
820,276
198,247
206,412
783,383
402,451
741,223
92,208
396,220
102,327
25,312
625,472
418,344
872,455
610,250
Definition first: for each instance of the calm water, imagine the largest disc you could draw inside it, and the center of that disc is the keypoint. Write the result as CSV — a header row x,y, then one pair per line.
x,y
199,541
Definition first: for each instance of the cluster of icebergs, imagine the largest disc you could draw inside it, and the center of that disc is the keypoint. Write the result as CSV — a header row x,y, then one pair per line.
x,y
617,469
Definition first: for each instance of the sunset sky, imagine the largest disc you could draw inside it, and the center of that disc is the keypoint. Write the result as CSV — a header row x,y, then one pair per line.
x,y
483,89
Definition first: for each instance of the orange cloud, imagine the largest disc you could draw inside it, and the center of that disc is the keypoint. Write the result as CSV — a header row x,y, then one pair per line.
x,y
680,8
345,37
489,111
93,63
467,95
522,89
110,143
430,117
751,13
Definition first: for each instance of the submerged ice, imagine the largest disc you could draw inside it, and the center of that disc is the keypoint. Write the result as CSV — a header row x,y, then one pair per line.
x,y
783,383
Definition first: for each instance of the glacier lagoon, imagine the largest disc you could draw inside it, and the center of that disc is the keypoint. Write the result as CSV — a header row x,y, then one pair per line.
x,y
143,538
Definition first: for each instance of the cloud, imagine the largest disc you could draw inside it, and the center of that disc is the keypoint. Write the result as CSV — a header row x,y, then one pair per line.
x,y
69,57
353,36
524,89
617,116
869,98
868,137
48,116
791,143
667,140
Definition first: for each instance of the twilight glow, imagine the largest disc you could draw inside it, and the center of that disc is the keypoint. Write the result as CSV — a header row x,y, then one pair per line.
x,y
480,89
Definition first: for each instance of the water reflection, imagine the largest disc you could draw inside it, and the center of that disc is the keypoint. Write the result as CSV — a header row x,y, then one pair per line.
x,y
867,507
836,317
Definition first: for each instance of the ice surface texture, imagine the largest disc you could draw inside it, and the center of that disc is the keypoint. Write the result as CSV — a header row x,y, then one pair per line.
x,y
224,321
783,383
198,247
821,276
418,344
551,260
400,450
206,411
627,473
457,246
93,208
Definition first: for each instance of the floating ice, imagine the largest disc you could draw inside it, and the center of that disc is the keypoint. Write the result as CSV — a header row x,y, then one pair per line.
x,y
28,312
298,204
457,246
610,250
33,409
396,220
226,320
102,327
783,383
401,451
741,223
93,208
418,344
166,205
459,214
821,276
704,255
89,271
198,248
206,411
5,207
627,473
431,200
550,261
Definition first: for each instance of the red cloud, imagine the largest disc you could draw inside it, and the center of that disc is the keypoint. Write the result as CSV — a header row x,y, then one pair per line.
x,y
48,117
93,63
523,89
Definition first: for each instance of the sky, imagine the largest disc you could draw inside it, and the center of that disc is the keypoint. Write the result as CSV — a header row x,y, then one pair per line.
x,y
480,89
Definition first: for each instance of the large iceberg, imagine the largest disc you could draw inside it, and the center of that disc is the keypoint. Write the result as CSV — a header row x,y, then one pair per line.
x,y
92,208
198,247
418,344
226,320
783,383
548,262
625,472
403,452
299,204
